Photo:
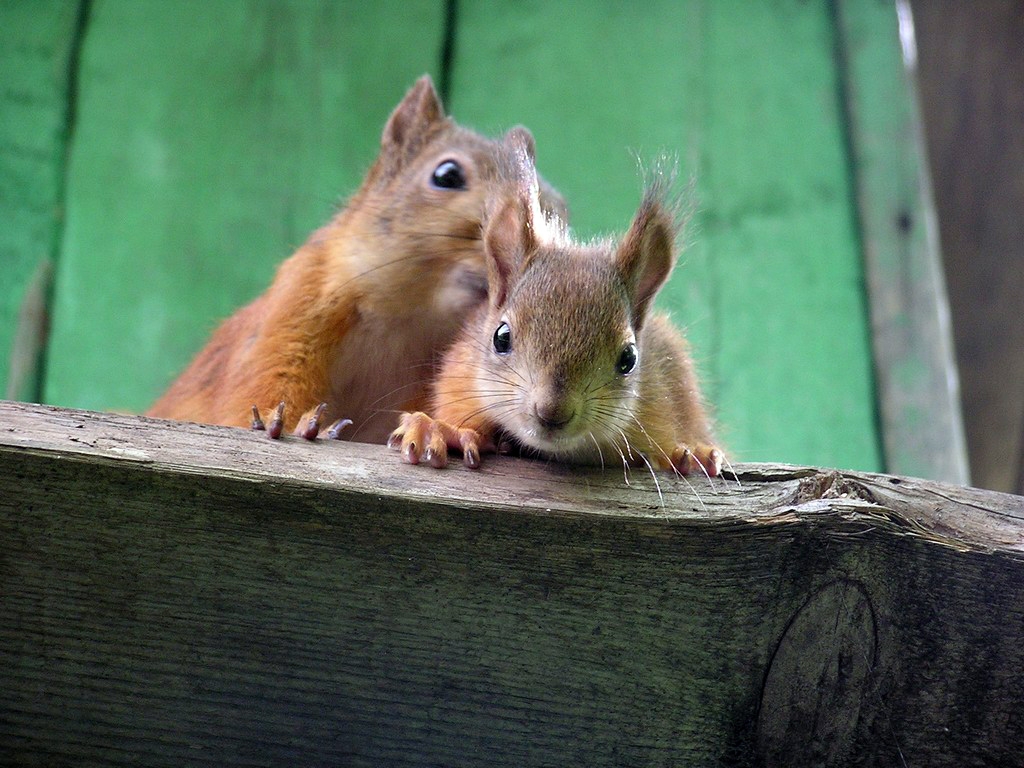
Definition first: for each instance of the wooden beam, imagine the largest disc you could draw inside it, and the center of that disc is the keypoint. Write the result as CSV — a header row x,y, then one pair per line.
x,y
971,81
915,366
175,593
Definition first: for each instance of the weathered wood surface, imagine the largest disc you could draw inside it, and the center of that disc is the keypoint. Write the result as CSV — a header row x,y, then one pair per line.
x,y
180,594
971,76
915,366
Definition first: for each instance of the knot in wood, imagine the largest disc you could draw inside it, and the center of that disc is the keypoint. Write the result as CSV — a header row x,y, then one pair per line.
x,y
831,485
817,678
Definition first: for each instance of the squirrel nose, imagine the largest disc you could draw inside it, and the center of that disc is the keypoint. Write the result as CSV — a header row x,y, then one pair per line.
x,y
553,415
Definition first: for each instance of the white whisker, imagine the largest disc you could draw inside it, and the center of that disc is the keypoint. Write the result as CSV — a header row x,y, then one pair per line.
x,y
728,464
695,493
625,464
625,442
655,476
668,459
703,469
597,445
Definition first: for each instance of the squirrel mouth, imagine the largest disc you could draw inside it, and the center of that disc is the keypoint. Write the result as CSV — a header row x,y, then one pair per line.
x,y
551,439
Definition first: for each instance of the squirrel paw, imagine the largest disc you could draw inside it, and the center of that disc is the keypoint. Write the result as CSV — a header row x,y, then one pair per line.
x,y
311,422
308,427
705,459
276,422
421,438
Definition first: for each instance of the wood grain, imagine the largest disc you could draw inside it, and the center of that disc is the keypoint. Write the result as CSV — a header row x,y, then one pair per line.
x,y
175,593
972,93
911,331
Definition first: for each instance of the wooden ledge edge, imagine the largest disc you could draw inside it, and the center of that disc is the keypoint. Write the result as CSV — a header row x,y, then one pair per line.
x,y
842,503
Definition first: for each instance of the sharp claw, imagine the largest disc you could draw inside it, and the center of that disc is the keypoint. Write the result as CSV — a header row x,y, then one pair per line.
x,y
410,454
257,422
471,458
334,433
313,425
395,439
681,459
277,423
716,459
434,458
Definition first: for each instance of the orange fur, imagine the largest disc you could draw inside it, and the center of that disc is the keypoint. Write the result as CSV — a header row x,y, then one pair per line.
x,y
359,315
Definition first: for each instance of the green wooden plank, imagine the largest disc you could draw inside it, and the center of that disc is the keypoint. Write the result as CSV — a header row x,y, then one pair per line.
x,y
748,96
212,137
919,398
37,44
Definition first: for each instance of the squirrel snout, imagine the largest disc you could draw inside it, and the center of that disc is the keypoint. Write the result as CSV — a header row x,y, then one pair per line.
x,y
553,414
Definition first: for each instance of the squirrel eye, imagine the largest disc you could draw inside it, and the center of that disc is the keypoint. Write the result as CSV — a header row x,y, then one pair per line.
x,y
627,359
448,175
503,339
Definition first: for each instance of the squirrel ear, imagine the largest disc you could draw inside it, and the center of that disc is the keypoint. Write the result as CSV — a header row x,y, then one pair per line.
x,y
411,121
519,139
646,255
508,237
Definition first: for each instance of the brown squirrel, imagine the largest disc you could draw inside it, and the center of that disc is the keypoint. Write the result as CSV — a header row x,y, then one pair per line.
x,y
567,359
355,320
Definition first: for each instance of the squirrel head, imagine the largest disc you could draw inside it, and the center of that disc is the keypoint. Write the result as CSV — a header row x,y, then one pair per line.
x,y
416,219
563,336
518,227
421,144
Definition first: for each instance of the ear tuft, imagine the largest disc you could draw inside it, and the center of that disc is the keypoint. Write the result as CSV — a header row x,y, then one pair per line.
x,y
647,254
523,148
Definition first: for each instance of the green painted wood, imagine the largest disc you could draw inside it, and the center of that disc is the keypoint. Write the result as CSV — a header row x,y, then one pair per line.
x,y
37,44
212,138
199,167
918,388
747,95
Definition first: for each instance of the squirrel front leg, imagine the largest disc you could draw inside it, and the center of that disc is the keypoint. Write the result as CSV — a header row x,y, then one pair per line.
x,y
420,436
291,368
702,458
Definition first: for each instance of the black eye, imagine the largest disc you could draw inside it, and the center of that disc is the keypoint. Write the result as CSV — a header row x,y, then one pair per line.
x,y
448,175
503,339
627,359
